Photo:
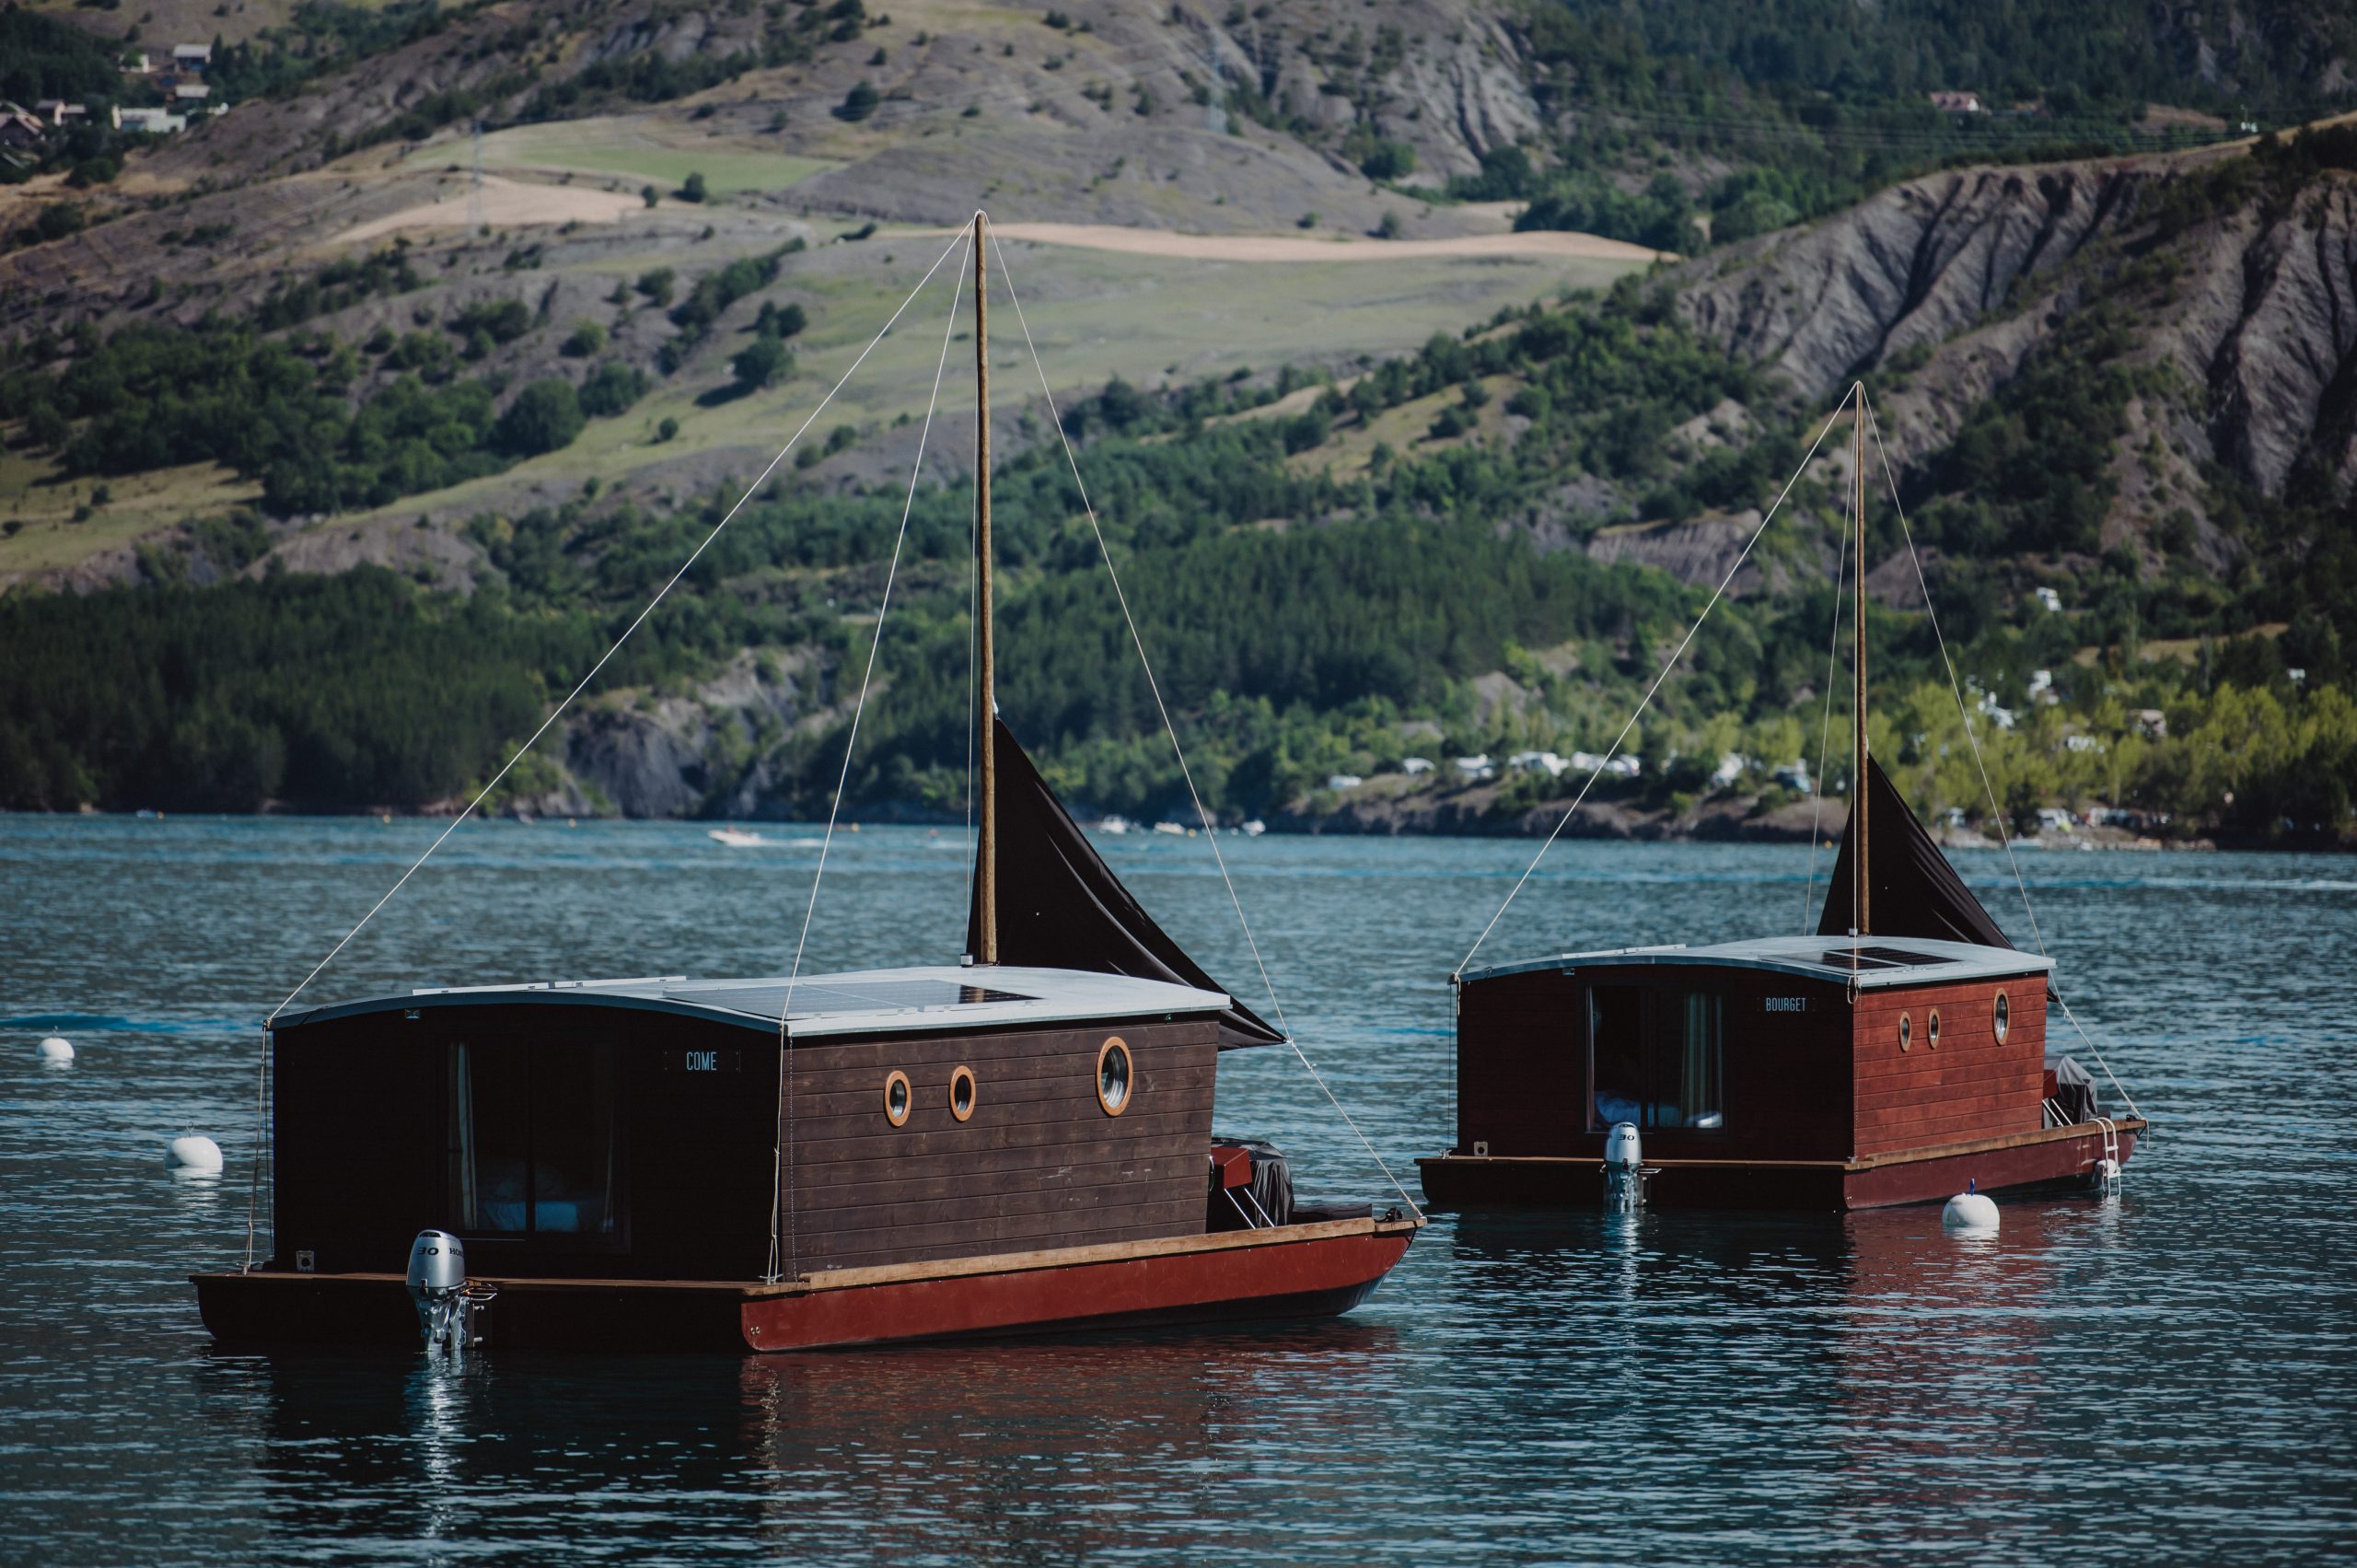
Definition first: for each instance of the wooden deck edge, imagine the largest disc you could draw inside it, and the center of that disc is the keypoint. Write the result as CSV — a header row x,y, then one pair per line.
x,y
1071,1257
1597,1160
901,1273
1991,1145
2134,1124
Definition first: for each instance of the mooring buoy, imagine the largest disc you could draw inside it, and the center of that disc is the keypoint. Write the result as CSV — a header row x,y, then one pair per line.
x,y
193,1152
1970,1210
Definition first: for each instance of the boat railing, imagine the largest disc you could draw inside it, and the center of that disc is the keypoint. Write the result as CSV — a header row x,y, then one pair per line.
x,y
1263,1223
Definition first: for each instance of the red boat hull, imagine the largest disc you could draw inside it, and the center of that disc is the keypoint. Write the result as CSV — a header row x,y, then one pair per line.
x,y
2059,1155
1291,1271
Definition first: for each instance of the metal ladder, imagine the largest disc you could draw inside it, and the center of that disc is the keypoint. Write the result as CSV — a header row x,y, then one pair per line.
x,y
2107,1171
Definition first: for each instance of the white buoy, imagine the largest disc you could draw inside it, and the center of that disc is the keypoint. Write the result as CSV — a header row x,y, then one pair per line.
x,y
1970,1212
193,1153
57,1050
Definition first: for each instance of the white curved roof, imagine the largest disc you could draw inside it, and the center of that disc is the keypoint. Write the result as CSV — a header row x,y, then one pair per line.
x,y
1871,962
853,1002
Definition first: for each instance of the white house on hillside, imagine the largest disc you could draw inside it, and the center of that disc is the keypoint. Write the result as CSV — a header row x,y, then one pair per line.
x,y
151,122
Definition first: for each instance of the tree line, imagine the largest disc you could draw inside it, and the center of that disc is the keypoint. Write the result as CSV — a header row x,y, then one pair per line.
x,y
1297,617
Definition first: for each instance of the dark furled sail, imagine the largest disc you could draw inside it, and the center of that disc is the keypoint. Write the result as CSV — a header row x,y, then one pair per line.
x,y
1916,892
1060,906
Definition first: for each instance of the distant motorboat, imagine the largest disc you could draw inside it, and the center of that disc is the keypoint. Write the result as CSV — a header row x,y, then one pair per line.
x,y
1116,826
1255,828
1174,829
736,838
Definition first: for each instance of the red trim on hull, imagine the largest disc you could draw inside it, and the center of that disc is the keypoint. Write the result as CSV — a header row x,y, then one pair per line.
x,y
1936,1179
1925,1176
1308,1271
1314,1276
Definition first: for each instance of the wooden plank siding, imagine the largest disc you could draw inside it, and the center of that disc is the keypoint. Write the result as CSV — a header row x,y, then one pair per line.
x,y
362,1124
1037,1164
356,1142
1521,1064
1970,1086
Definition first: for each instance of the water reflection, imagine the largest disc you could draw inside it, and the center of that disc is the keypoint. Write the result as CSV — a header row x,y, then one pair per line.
x,y
1067,1447
1905,1374
2145,1379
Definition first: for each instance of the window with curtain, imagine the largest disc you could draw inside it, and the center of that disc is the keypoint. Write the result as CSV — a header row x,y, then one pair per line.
x,y
1656,1058
535,1143
1698,1101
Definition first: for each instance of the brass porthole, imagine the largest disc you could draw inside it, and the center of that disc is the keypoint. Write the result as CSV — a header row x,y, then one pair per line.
x,y
1114,1071
896,1099
962,1093
1932,1028
2004,1017
1906,1031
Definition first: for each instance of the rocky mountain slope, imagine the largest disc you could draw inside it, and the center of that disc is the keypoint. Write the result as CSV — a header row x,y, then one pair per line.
x,y
2231,288
2131,379
1967,273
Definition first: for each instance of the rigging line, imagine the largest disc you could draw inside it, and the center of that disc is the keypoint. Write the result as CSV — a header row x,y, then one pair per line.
x,y
661,595
1211,833
1996,812
253,1180
1717,594
2093,1050
780,1164
973,634
1825,729
1923,584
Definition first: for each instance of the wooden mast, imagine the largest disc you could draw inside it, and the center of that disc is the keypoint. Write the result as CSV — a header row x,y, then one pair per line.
x,y
1858,791
986,856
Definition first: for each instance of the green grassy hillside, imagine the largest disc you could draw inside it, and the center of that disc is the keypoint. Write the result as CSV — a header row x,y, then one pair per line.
x,y
294,412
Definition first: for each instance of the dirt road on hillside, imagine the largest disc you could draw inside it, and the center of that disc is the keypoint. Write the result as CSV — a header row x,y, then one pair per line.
x,y
1308,248
505,203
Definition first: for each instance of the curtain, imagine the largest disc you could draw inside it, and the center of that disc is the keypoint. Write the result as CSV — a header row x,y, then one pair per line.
x,y
1698,1097
462,1136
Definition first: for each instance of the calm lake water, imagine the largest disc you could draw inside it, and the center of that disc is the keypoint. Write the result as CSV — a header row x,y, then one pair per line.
x,y
2168,1375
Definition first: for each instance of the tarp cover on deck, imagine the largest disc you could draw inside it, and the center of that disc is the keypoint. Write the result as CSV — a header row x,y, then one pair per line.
x,y
1916,892
1060,906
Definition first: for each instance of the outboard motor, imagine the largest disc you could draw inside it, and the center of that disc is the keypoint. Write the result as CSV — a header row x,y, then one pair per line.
x,y
1624,1169
450,1311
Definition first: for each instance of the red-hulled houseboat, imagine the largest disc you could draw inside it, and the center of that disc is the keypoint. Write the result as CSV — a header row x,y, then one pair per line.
x,y
1896,1056
1791,1071
973,1149
1018,1142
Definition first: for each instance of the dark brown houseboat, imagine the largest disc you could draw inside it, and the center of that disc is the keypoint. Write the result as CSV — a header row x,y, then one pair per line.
x,y
1896,1056
1019,1143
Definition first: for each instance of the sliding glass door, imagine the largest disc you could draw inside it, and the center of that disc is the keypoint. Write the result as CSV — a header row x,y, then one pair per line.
x,y
1656,1057
535,1138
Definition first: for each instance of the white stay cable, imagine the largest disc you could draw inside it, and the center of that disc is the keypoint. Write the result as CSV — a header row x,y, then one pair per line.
x,y
661,593
1825,726
583,685
1211,833
1996,812
781,1152
1717,594
974,655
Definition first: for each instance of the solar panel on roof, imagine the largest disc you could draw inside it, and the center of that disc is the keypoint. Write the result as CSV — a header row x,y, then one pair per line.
x,y
1879,959
845,996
